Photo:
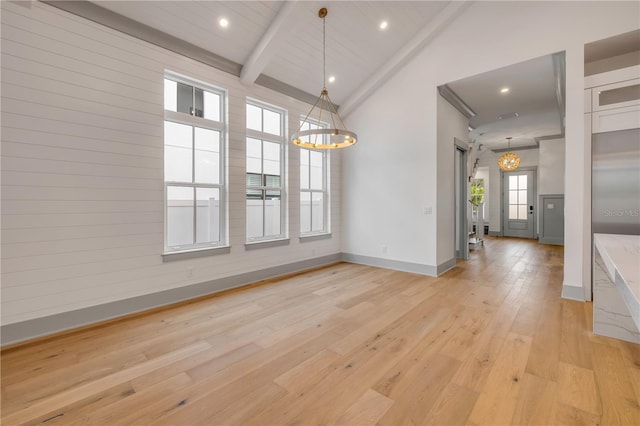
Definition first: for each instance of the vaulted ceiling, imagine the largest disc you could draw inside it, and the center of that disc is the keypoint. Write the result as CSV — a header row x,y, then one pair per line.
x,y
281,42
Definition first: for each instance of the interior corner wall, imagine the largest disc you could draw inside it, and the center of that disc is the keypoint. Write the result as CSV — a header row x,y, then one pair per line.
x,y
451,125
82,173
398,120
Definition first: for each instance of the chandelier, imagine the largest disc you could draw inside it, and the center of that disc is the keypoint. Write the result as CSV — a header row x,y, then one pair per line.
x,y
508,161
324,138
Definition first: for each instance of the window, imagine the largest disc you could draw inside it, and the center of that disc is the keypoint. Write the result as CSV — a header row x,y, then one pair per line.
x,y
314,195
265,192
193,165
518,197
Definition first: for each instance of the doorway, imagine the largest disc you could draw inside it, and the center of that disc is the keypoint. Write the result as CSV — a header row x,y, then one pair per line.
x,y
461,190
518,203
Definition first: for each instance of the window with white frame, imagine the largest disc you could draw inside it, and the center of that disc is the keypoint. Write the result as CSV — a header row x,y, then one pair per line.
x,y
314,184
194,178
265,192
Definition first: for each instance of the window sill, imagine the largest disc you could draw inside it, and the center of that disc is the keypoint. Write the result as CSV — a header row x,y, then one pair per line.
x,y
266,244
195,253
315,237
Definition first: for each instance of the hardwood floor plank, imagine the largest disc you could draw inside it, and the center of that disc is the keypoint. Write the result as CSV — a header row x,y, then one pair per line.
x,y
536,401
545,349
489,342
69,396
617,396
452,407
577,388
367,410
498,399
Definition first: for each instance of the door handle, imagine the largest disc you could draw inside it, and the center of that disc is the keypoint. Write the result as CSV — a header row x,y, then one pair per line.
x,y
530,209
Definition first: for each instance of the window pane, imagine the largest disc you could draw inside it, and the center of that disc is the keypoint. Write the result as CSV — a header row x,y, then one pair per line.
x,y
254,179
304,169
207,155
199,102
513,197
513,212
254,155
305,212
185,98
254,214
272,181
272,122
272,213
211,106
522,181
178,155
522,196
522,212
317,211
513,182
254,117
271,156
179,216
316,180
207,215
170,95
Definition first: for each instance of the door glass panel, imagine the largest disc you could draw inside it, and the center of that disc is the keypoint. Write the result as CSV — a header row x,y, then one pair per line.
x,y
522,182
522,212
513,197
513,182
522,196
513,212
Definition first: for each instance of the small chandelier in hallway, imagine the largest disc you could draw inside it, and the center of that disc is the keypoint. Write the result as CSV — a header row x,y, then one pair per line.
x,y
508,161
324,138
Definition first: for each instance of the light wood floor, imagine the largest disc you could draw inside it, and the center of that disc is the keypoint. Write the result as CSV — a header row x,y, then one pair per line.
x,y
490,342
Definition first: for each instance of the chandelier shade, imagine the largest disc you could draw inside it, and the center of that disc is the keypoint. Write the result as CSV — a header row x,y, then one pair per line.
x,y
318,137
509,161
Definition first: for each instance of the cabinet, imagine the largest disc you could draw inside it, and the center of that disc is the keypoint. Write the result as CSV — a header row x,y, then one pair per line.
x,y
614,106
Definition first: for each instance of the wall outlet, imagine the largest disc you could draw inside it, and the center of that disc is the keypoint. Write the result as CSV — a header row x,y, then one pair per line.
x,y
428,210
190,272
383,249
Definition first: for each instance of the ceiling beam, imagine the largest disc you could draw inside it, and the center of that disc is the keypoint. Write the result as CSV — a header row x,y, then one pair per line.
x,y
433,28
271,42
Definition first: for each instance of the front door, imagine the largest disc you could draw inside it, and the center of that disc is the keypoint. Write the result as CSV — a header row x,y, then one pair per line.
x,y
518,204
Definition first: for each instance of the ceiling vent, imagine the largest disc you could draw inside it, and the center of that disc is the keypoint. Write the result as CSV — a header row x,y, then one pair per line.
x,y
509,115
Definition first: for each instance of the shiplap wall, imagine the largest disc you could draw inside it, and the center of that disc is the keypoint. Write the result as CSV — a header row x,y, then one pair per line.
x,y
82,168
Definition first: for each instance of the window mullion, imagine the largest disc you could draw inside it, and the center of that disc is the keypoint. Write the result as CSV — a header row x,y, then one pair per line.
x,y
193,178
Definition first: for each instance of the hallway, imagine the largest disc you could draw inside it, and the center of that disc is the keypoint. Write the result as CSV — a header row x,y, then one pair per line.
x,y
489,342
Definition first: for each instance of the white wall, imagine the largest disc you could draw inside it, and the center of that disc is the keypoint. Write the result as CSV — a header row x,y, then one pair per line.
x,y
451,125
551,168
82,168
398,122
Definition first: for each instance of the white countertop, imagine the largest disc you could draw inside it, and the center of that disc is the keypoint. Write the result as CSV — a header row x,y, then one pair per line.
x,y
621,254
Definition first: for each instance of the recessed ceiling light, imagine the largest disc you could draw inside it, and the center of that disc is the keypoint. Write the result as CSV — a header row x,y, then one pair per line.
x,y
504,90
332,79
224,22
383,25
